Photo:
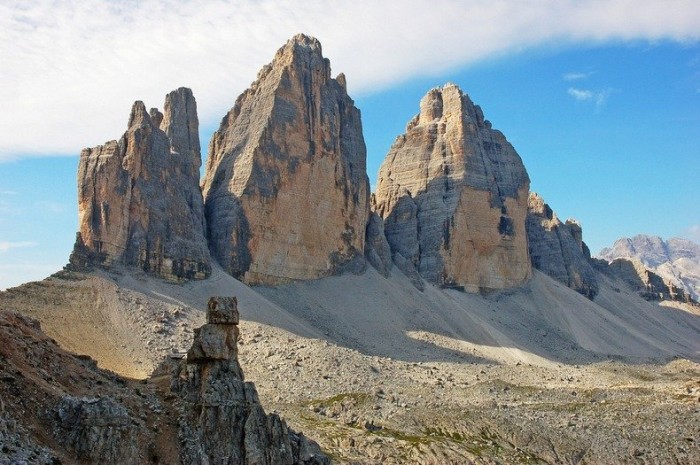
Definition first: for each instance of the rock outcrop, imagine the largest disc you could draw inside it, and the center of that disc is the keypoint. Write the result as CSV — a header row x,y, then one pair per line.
x,y
453,195
222,420
557,249
96,429
676,261
377,250
139,200
648,284
286,190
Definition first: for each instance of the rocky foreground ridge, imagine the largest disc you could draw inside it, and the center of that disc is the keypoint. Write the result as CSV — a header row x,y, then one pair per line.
x,y
60,408
393,375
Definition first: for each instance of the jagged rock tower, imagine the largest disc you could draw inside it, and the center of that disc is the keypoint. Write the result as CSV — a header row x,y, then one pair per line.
x,y
453,195
286,190
557,248
139,201
221,419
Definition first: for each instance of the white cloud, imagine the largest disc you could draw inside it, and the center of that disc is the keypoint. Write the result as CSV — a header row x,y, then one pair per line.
x,y
8,193
575,76
602,96
580,94
7,245
599,97
71,68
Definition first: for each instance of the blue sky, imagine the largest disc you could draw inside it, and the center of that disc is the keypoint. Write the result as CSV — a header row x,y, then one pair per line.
x,y
600,99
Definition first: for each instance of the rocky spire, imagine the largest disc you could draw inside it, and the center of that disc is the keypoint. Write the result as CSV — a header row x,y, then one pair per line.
x,y
557,249
453,195
222,420
139,201
286,190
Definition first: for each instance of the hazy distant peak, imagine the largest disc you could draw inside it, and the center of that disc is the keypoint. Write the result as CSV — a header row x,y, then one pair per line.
x,y
676,260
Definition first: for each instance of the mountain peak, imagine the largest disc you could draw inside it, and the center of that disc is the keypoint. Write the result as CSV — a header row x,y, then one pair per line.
x,y
129,212
286,188
453,195
676,261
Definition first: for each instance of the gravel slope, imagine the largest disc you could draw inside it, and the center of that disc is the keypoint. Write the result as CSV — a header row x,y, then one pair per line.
x,y
378,372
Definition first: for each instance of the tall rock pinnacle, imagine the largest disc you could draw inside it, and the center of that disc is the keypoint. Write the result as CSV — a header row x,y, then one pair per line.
x,y
557,248
286,190
453,194
139,200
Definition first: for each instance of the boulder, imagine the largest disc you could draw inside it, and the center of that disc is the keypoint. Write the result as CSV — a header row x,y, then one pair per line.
x,y
97,429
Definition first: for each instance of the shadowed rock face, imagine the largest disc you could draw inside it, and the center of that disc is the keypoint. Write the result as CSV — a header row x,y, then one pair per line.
x,y
557,248
139,200
453,196
222,420
286,190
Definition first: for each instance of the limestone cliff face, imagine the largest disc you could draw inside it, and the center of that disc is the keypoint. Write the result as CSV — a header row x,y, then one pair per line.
x,y
453,195
557,248
286,190
377,250
139,200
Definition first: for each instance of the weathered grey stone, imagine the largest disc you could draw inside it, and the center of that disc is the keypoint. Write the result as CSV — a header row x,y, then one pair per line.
x,y
557,249
453,196
98,430
223,310
221,419
139,200
213,342
407,268
286,190
377,250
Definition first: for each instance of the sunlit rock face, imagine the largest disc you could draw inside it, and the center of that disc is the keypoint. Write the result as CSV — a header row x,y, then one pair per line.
x,y
139,201
453,195
286,190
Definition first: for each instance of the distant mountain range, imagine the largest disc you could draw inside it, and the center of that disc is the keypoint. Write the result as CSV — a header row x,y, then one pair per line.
x,y
676,260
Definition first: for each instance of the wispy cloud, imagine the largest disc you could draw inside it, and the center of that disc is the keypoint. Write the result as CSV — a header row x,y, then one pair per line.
x,y
8,193
599,97
580,94
576,76
7,245
66,79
